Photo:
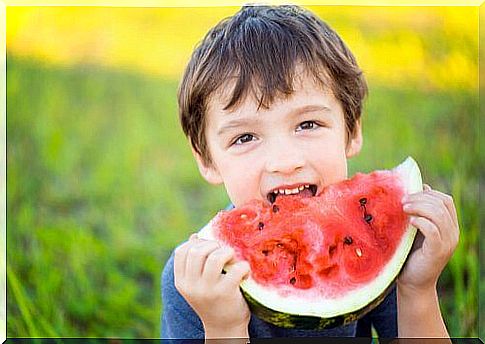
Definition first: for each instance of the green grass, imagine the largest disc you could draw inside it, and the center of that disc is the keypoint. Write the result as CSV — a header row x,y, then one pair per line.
x,y
102,186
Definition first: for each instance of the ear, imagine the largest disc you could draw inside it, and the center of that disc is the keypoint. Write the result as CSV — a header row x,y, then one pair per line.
x,y
355,143
209,172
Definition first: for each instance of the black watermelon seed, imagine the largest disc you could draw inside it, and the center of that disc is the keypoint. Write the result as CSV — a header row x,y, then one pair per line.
x,y
260,226
363,201
293,280
368,218
275,208
265,252
348,240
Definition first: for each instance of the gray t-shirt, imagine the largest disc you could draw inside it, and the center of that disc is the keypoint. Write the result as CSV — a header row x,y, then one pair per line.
x,y
179,321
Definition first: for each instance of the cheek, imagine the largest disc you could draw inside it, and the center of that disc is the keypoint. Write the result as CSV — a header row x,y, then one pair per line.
x,y
330,160
241,182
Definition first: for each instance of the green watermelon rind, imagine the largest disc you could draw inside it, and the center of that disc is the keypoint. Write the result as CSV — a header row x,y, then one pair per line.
x,y
307,322
297,312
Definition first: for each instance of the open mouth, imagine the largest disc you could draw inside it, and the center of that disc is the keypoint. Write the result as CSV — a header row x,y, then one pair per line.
x,y
304,190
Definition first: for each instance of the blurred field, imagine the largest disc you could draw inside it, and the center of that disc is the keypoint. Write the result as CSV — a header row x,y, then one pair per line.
x,y
101,184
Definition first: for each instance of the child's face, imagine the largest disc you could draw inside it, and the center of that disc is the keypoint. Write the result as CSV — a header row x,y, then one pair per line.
x,y
298,141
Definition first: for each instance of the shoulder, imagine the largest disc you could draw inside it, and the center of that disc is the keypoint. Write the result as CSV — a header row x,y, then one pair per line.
x,y
170,294
168,284
167,273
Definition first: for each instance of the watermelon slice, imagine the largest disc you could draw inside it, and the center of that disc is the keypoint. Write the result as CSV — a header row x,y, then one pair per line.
x,y
322,261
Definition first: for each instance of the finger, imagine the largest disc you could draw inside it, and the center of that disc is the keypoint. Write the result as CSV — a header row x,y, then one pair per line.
x,y
179,260
432,238
180,257
418,241
450,205
196,257
431,206
193,237
215,263
432,247
430,193
236,274
426,187
434,211
448,202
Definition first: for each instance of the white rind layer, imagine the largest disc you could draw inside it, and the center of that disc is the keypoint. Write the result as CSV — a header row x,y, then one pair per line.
x,y
354,300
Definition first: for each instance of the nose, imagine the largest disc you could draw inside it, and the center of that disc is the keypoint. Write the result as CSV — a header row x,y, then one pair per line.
x,y
283,157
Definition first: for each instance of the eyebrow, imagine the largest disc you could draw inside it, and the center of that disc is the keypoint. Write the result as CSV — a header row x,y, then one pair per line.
x,y
239,122
236,123
310,108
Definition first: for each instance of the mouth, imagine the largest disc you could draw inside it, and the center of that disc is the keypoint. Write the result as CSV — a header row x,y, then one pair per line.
x,y
304,190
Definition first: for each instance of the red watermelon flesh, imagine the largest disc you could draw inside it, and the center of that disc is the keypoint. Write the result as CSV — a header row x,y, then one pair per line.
x,y
329,244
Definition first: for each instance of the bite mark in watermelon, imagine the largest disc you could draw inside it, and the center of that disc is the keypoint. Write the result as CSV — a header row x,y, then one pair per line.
x,y
325,260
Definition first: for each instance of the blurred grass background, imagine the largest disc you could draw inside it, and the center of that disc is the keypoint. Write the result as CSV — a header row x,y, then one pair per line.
x,y
101,183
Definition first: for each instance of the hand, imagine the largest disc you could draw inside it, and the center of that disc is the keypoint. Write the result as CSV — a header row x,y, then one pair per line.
x,y
214,296
433,213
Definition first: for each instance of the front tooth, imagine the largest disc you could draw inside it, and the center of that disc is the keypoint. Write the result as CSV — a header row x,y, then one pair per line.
x,y
295,190
282,191
275,192
287,192
301,188
307,186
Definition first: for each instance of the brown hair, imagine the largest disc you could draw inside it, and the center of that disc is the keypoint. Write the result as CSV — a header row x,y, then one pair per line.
x,y
260,46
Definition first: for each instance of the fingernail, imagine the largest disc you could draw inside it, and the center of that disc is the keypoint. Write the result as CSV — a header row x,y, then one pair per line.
x,y
406,207
404,199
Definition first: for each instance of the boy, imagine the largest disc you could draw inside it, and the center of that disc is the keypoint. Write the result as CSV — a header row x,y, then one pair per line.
x,y
272,99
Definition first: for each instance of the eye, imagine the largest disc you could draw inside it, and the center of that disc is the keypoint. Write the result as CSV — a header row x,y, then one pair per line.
x,y
244,139
307,125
